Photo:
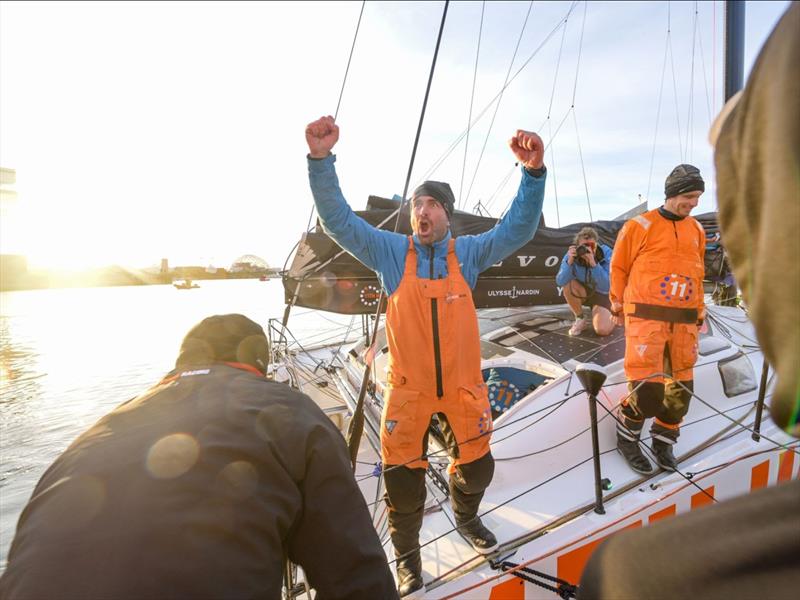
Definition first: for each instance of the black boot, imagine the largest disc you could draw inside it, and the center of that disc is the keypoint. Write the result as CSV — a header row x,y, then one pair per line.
x,y
479,537
404,531
465,508
664,456
629,430
632,453
409,576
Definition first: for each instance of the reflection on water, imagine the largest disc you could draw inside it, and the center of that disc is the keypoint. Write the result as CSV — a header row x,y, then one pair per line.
x,y
67,357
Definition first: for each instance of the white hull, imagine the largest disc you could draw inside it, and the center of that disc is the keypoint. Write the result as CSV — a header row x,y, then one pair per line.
x,y
541,503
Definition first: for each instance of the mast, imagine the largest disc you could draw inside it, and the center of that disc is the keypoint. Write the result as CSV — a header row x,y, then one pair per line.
x,y
734,47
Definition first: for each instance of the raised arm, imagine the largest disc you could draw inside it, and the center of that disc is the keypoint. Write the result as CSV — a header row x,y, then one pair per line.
x,y
518,225
380,250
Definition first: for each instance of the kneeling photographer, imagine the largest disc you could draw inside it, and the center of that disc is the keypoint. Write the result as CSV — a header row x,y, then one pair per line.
x,y
584,278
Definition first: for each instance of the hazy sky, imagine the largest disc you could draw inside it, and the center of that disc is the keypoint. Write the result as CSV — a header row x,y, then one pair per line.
x,y
142,130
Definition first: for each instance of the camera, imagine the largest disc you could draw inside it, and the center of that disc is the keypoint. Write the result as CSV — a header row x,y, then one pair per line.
x,y
581,252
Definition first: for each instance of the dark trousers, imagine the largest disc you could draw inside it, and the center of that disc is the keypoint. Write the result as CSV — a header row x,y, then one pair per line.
x,y
405,497
668,403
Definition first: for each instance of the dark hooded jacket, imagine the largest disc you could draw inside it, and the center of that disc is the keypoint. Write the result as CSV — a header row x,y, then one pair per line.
x,y
198,489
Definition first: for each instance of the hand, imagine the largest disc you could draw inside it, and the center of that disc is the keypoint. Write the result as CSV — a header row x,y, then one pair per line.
x,y
616,313
528,148
321,136
590,259
571,255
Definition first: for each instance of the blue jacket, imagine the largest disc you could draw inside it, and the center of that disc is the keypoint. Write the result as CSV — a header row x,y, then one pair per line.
x,y
599,273
385,251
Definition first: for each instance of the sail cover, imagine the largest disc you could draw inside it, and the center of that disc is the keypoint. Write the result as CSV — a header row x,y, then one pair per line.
x,y
325,277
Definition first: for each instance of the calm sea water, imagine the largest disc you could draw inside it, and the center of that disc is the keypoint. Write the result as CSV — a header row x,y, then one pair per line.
x,y
69,356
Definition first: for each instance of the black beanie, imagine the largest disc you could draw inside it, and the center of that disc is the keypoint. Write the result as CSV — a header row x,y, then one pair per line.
x,y
683,179
225,338
440,192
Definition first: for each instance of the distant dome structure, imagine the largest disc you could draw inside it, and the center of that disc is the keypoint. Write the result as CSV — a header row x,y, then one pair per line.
x,y
249,262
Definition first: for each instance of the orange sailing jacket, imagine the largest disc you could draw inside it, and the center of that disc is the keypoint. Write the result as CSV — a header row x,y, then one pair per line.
x,y
657,268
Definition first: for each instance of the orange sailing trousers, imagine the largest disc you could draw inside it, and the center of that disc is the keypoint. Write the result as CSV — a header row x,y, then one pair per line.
x,y
434,368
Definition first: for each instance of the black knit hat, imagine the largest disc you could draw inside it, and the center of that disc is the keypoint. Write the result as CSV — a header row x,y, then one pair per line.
x,y
683,179
440,192
225,338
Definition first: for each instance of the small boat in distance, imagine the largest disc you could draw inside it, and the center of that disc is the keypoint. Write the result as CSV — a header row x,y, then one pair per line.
x,y
186,284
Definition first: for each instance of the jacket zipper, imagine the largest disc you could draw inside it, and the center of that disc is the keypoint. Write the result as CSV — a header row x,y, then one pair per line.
x,y
436,352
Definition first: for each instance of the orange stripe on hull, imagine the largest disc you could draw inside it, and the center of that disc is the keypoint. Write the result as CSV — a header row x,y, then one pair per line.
x,y
663,514
571,564
785,465
759,476
513,589
703,498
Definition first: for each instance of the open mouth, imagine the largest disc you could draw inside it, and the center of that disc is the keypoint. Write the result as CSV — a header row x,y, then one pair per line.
x,y
424,227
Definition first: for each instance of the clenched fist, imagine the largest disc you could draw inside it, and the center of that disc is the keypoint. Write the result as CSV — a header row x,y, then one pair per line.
x,y
321,136
528,148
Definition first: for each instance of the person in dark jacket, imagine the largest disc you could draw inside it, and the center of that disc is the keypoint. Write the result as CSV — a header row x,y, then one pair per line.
x,y
200,488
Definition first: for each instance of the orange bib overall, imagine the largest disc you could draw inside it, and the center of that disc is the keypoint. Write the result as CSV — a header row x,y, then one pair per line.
x,y
434,367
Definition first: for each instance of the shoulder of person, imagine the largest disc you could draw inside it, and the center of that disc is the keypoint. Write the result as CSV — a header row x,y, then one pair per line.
x,y
697,224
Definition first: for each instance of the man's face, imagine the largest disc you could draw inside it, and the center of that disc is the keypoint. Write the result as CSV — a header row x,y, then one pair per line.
x,y
428,220
588,240
682,204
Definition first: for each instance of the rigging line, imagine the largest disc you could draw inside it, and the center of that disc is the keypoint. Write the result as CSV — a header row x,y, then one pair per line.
x,y
554,407
558,66
502,185
548,449
336,114
705,79
658,116
690,116
744,427
452,146
546,147
583,168
580,48
553,170
726,328
732,461
350,58
652,454
675,90
497,104
357,420
442,452
471,102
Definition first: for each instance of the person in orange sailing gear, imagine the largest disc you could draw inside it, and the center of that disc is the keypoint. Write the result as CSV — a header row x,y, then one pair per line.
x,y
657,282
433,338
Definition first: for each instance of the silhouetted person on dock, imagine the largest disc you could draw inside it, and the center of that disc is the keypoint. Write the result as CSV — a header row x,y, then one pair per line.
x,y
200,488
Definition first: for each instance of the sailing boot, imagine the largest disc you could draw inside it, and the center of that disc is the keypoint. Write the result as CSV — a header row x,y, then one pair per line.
x,y
664,438
404,531
465,508
409,576
629,430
